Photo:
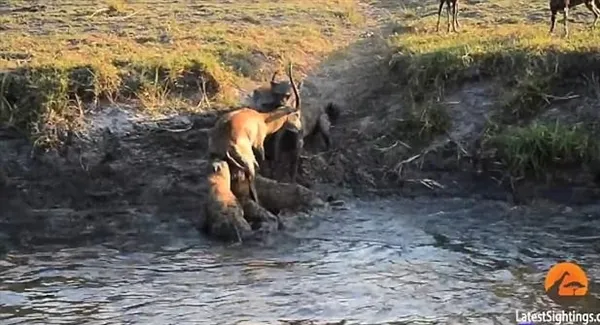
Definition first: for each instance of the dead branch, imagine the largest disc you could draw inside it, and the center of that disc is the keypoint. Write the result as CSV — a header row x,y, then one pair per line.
x,y
386,149
429,183
548,97
400,165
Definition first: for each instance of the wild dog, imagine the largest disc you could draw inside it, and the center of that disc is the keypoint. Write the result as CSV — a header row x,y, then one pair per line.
x,y
295,133
314,122
454,5
236,134
224,215
269,97
256,215
565,5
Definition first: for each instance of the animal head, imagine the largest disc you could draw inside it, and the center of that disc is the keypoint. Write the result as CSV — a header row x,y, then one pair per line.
x,y
282,91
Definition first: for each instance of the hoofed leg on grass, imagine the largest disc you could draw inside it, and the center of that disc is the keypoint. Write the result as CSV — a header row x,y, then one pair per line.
x,y
455,16
448,15
594,9
566,17
437,29
553,21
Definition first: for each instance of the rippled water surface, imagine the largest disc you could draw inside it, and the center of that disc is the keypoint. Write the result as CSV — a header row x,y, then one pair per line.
x,y
426,261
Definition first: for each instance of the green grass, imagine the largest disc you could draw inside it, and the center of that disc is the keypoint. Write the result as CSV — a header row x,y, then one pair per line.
x,y
508,44
526,60
537,148
160,55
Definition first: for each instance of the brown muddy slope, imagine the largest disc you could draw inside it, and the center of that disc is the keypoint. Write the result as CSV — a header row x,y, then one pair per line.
x,y
130,169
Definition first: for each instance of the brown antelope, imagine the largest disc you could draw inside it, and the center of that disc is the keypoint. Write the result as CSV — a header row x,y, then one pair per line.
x,y
454,5
565,5
237,133
224,215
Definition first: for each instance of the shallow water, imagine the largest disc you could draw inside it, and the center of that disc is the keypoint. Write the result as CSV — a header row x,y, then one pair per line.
x,y
425,261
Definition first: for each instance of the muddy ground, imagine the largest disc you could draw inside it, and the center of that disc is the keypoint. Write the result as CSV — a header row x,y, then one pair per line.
x,y
130,169
130,172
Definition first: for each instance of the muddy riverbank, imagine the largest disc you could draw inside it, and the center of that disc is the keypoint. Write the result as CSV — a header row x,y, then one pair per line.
x,y
127,167
411,125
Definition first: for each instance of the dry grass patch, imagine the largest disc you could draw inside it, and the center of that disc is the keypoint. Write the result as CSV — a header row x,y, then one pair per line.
x,y
509,44
163,55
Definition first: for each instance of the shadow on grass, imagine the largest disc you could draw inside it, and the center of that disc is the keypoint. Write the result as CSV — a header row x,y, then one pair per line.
x,y
47,102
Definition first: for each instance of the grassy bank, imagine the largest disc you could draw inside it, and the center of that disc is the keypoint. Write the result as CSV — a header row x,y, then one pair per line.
x,y
58,56
524,59
533,71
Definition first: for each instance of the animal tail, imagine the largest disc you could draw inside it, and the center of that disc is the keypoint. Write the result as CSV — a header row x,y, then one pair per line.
x,y
333,112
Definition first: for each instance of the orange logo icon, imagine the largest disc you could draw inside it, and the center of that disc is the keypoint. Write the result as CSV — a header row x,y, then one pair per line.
x,y
566,280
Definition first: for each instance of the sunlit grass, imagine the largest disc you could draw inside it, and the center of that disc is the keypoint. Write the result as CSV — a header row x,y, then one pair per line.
x,y
533,149
161,55
508,44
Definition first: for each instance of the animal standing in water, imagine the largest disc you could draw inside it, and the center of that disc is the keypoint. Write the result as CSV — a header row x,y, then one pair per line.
x,y
258,216
237,134
224,215
315,121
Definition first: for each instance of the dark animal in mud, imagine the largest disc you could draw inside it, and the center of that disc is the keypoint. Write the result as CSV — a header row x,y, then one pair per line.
x,y
277,196
450,4
223,213
237,134
258,216
273,141
277,93
315,121
565,5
